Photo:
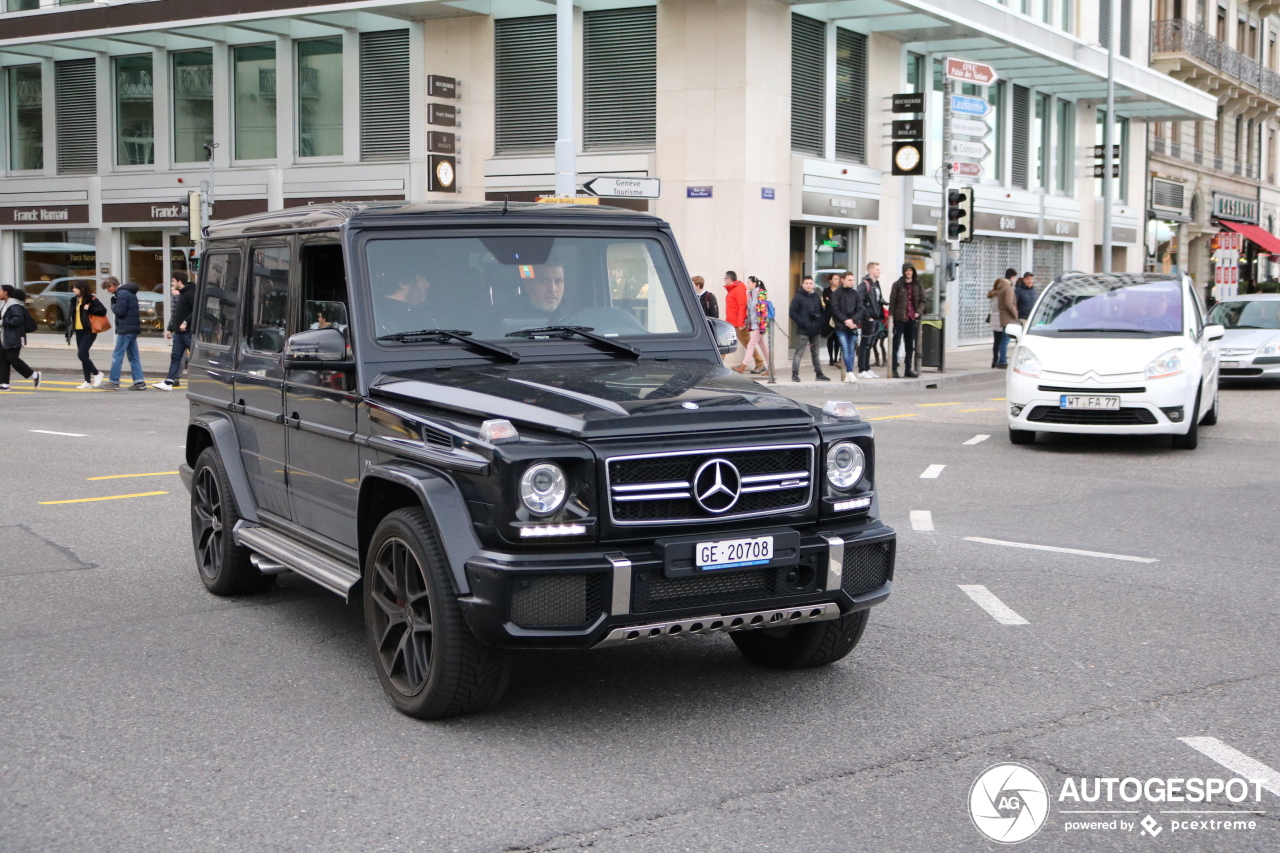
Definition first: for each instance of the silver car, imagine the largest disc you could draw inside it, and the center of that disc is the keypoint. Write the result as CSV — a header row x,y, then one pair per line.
x,y
1250,349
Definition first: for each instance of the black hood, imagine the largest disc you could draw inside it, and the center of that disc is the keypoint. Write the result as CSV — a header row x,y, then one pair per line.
x,y
602,399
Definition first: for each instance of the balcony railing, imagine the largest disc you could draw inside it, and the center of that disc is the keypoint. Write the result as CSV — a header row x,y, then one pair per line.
x,y
1182,36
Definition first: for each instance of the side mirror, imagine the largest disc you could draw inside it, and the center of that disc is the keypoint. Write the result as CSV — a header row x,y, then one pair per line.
x,y
1215,331
725,335
315,348
1013,330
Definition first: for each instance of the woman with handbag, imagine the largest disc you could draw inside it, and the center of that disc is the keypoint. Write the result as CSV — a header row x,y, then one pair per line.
x,y
89,319
15,323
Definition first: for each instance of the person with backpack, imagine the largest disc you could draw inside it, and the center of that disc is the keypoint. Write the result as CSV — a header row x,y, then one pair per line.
x,y
869,290
184,300
759,311
89,316
16,323
810,316
124,304
706,299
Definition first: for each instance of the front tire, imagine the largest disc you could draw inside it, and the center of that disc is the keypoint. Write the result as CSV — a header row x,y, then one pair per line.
x,y
802,646
1211,417
430,664
224,566
1022,436
1192,437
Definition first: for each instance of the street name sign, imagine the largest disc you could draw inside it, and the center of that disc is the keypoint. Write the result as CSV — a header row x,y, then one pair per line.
x,y
963,169
969,106
608,187
970,127
969,150
967,71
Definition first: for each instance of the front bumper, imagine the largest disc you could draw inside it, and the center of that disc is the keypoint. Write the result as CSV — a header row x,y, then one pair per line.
x,y
1249,367
618,597
1162,407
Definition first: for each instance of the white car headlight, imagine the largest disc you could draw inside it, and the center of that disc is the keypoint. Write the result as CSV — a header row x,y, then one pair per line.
x,y
845,464
1026,363
1165,365
543,488
1272,348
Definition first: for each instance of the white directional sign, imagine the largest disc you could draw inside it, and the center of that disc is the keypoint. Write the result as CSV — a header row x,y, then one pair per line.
x,y
969,106
969,149
610,187
970,127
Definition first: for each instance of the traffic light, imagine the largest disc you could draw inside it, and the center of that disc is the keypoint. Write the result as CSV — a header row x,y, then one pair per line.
x,y
960,214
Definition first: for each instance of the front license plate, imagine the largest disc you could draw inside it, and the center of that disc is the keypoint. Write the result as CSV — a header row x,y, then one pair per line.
x,y
1082,401
1229,364
733,553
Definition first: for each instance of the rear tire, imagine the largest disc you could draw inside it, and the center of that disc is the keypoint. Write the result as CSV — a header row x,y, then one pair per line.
x,y
1192,438
430,664
802,646
1022,436
224,566
1211,416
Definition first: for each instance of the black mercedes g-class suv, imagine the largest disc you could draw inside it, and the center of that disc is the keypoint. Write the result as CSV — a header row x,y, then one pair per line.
x,y
508,426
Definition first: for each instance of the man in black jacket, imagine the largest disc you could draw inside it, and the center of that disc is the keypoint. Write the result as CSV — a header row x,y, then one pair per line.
x,y
1025,294
124,305
846,313
706,298
183,303
872,302
808,314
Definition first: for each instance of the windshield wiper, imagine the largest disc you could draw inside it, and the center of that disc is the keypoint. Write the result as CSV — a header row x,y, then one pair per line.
x,y
460,335
1126,331
581,331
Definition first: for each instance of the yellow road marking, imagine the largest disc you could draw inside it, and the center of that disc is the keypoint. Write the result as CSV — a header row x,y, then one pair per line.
x,y
940,404
997,399
977,410
122,476
107,498
889,417
56,382
7,393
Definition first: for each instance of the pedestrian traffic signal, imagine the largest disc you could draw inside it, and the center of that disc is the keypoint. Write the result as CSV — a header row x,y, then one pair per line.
x,y
960,214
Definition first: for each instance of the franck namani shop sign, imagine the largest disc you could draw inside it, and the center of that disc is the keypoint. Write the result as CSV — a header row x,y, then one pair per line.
x,y
43,214
1235,208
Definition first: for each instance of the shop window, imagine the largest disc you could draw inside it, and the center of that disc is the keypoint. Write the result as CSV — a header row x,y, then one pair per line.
x,y
135,112
619,78
255,102
192,105
26,118
51,262
320,98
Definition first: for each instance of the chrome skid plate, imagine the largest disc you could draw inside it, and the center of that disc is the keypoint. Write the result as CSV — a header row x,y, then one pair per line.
x,y
717,624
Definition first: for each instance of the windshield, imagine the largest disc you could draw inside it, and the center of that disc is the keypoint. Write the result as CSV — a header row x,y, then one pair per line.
x,y
1262,314
496,287
1107,305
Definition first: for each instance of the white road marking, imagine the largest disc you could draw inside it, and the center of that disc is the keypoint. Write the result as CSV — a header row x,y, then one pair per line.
x,y
1076,551
932,472
51,432
922,519
999,611
978,439
1236,761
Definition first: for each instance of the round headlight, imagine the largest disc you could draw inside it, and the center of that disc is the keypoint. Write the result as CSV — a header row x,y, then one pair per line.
x,y
845,464
543,488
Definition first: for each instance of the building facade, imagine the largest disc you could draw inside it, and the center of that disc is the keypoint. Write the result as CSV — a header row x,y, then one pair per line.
x,y
767,123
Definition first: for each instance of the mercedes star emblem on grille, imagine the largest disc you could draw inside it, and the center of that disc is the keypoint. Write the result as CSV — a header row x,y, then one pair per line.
x,y
717,485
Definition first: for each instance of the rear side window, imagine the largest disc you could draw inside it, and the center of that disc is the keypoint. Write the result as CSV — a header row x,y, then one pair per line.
x,y
270,294
220,306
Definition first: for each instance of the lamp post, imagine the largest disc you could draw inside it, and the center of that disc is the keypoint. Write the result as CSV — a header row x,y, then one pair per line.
x,y
566,147
1108,132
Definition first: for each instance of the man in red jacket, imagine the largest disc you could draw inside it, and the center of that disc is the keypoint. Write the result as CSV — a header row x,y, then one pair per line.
x,y
735,310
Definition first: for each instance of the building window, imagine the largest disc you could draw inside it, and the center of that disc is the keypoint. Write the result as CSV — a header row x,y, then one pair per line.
x,y
851,95
1239,140
1021,132
385,92
1041,140
1067,10
26,118
1066,124
192,105
135,112
808,84
21,5
1124,45
525,81
320,98
993,164
254,72
620,78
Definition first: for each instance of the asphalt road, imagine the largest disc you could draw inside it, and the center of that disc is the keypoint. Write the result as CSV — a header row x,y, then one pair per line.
x,y
139,713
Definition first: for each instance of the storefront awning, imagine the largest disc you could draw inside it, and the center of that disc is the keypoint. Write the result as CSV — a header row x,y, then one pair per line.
x,y
1261,237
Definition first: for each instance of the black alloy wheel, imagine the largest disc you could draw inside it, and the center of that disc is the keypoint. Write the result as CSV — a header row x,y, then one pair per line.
x,y
401,616
225,567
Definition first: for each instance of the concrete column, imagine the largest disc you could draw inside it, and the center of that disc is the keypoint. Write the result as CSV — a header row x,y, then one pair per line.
x,y
223,154
286,103
462,48
884,242
350,96
106,113
161,109
723,121
49,116
417,171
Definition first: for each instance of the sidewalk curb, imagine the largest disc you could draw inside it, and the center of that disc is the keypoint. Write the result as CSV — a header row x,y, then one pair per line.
x,y
926,380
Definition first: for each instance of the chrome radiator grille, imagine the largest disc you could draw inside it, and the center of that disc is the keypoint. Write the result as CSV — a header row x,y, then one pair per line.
x,y
706,485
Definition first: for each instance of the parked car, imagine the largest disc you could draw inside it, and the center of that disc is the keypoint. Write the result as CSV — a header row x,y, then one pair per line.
x,y
50,301
1115,354
440,411
1250,348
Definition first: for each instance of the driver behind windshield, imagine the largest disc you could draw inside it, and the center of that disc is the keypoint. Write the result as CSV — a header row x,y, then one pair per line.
x,y
545,291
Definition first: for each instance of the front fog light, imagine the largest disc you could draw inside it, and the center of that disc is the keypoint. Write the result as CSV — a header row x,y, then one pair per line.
x,y
845,464
1015,410
543,488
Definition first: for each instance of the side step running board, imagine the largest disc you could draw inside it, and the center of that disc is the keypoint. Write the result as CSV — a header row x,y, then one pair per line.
x,y
313,565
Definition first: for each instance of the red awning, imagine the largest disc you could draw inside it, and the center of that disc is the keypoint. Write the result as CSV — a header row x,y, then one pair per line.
x,y
1265,240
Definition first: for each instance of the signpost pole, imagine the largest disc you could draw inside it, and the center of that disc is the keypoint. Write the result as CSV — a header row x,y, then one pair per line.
x,y
1107,134
566,147
941,278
